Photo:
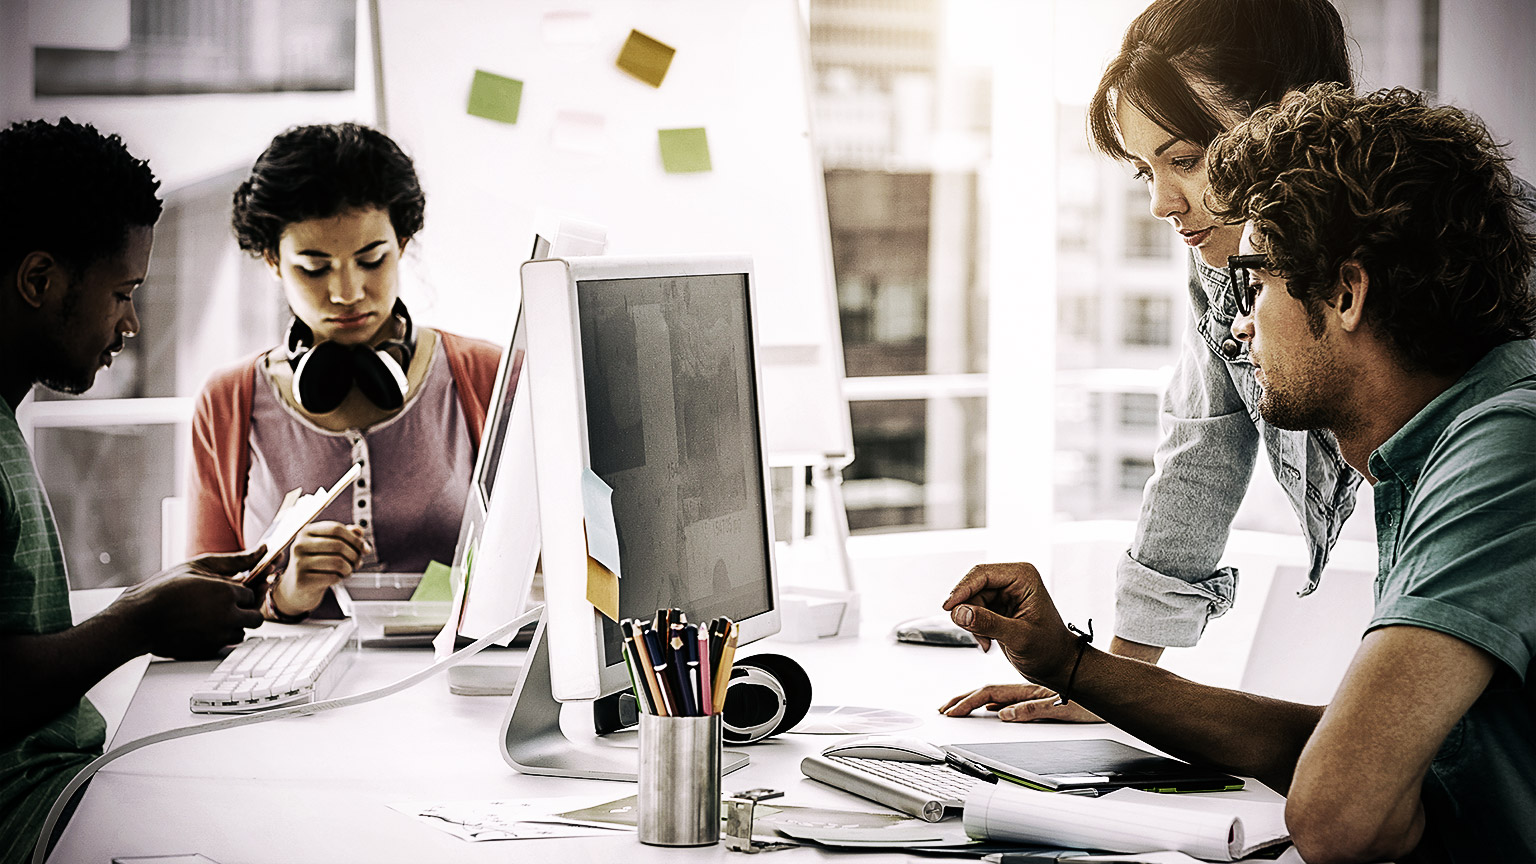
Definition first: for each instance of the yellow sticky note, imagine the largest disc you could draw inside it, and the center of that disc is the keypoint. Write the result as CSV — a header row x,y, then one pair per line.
x,y
602,589
684,151
645,58
436,584
495,97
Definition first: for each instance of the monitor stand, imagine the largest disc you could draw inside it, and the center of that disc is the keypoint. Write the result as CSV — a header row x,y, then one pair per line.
x,y
533,742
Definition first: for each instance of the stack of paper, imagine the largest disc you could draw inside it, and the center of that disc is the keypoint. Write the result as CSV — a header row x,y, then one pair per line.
x,y
1212,828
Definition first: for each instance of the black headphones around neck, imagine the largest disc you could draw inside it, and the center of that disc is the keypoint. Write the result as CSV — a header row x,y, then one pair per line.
x,y
324,374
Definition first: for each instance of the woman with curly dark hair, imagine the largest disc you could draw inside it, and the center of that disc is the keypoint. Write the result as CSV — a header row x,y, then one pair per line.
x,y
330,209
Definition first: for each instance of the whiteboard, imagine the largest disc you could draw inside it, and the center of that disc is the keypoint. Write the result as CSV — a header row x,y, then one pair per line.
x,y
585,146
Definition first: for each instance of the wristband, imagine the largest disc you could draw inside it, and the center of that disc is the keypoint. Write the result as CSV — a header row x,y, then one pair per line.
x,y
1082,642
269,608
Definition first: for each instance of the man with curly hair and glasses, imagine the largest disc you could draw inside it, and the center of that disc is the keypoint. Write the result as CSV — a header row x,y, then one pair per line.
x,y
1382,291
77,217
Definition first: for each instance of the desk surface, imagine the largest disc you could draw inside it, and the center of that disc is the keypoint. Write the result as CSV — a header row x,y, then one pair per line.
x,y
318,788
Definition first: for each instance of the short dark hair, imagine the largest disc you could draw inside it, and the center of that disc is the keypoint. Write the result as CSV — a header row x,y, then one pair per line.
x,y
316,172
71,191
1420,195
1179,55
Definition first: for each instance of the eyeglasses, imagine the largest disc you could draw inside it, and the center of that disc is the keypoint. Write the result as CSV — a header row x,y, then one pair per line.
x,y
1238,269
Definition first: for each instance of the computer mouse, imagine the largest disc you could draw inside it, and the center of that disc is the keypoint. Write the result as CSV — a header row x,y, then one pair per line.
x,y
892,747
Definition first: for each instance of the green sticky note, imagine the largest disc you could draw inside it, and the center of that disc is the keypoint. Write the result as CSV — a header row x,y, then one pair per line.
x,y
645,58
495,97
435,585
684,150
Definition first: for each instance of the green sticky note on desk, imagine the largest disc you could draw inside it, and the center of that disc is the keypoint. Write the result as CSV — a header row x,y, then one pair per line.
x,y
645,58
684,150
435,585
495,97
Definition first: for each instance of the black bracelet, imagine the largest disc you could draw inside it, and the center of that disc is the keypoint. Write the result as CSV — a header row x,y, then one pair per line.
x,y
1082,642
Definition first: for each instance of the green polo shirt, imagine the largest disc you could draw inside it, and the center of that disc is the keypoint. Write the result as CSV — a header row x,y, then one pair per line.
x,y
34,598
1456,537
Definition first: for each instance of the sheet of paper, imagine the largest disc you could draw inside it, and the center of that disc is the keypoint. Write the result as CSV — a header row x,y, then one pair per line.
x,y
295,514
442,643
1141,823
495,97
646,58
436,585
618,812
858,828
684,151
505,819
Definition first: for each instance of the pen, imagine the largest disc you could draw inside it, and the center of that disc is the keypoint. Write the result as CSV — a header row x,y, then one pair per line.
x,y
636,634
706,674
716,642
723,672
691,647
659,668
641,695
688,706
1030,856
969,768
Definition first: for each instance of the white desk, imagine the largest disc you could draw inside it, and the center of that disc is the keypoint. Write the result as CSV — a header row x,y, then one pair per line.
x,y
316,789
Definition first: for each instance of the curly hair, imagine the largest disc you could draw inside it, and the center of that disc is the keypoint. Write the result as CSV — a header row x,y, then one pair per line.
x,y
1183,61
71,191
316,172
1420,195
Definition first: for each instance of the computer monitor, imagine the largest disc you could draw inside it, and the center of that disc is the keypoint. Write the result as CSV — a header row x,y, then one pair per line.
x,y
643,370
498,548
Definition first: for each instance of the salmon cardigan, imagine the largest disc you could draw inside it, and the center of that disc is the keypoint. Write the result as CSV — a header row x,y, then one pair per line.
x,y
221,431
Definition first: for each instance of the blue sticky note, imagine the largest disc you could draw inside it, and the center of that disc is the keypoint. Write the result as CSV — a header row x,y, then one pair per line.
x,y
602,536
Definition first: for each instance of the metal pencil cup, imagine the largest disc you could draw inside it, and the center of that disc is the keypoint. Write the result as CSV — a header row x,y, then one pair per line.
x,y
679,780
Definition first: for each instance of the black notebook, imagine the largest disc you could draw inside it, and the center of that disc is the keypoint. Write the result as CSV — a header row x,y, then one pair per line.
x,y
1092,764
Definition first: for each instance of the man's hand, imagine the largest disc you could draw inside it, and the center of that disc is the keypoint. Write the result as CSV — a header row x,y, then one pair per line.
x,y
191,610
1018,703
323,554
1008,604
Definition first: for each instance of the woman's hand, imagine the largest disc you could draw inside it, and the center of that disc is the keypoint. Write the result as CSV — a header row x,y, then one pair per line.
x,y
323,554
1018,703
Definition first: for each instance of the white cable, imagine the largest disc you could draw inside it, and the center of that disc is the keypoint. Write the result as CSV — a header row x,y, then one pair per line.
x,y
40,851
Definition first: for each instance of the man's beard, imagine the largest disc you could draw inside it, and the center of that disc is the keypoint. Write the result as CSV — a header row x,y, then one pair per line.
x,y
1309,397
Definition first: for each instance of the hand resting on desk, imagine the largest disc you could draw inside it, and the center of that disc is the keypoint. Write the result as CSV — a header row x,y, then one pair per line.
x,y
1018,703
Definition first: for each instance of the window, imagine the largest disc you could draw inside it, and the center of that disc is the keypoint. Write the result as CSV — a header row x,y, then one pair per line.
x,y
211,46
1147,321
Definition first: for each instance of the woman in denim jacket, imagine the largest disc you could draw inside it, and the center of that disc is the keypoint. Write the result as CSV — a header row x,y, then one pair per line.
x,y
1188,70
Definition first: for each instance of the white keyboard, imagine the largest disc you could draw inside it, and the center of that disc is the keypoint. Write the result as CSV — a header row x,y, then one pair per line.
x,y
273,671
928,791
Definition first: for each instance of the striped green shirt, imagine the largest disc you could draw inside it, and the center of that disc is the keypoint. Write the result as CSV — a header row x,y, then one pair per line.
x,y
34,598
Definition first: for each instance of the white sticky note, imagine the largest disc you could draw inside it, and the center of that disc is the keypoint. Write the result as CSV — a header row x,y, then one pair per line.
x,y
602,536
569,27
579,132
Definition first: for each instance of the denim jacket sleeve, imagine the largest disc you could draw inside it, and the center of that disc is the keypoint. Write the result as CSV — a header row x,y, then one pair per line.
x,y
1168,585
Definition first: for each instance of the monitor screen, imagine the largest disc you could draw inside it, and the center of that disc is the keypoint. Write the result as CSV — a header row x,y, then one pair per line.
x,y
498,546
672,427
495,437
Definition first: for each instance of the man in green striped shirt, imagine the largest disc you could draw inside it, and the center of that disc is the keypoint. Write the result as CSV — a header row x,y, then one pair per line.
x,y
77,216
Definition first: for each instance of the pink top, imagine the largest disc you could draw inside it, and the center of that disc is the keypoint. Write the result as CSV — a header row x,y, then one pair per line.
x,y
416,465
